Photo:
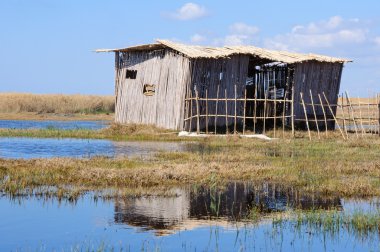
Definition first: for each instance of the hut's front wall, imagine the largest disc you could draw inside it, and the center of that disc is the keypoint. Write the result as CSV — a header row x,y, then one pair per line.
x,y
219,77
150,88
319,78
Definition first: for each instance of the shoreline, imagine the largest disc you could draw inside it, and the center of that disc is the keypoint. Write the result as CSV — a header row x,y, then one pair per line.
x,y
23,116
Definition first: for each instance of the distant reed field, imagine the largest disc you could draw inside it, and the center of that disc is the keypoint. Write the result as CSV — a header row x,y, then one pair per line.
x,y
55,103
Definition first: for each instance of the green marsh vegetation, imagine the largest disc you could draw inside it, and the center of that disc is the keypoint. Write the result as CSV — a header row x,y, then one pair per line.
x,y
328,167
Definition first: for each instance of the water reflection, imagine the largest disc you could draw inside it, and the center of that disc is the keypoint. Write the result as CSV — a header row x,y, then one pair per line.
x,y
53,124
23,147
234,203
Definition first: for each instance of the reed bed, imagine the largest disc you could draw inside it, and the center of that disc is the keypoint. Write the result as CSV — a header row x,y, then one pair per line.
x,y
55,103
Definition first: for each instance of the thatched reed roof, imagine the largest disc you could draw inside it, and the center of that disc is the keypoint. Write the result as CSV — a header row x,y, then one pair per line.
x,y
193,51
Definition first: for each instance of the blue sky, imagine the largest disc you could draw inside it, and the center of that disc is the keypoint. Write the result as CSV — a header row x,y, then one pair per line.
x,y
46,46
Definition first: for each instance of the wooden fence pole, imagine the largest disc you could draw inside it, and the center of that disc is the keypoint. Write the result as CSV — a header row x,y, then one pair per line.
x,y
369,113
361,116
216,108
283,115
352,114
265,110
332,113
315,114
191,110
324,113
235,109
225,98
292,112
206,112
305,112
343,115
274,112
244,112
254,110
198,116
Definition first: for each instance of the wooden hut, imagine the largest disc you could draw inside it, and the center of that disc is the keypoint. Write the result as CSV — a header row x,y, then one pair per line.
x,y
187,87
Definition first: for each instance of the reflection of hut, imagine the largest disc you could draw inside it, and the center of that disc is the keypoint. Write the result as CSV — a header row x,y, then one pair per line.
x,y
189,208
185,87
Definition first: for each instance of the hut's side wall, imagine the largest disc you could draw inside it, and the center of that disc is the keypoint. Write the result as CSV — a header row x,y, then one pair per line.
x,y
317,77
208,74
168,72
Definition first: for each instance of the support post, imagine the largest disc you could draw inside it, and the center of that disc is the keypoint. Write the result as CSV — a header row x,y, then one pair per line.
x,y
244,112
206,112
305,112
332,113
197,104
315,114
225,98
324,113
216,108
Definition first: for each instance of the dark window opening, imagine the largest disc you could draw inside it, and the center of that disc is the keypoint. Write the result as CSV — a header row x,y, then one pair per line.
x,y
149,89
131,74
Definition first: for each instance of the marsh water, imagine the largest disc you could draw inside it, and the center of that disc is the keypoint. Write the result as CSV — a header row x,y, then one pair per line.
x,y
53,124
186,219
24,147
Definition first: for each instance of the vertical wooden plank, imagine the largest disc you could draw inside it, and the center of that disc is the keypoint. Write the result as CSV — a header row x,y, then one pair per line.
x,y
332,113
225,99
265,110
206,111
275,111
324,113
244,109
315,114
216,109
292,112
197,105
191,110
305,112
283,114
235,110
254,110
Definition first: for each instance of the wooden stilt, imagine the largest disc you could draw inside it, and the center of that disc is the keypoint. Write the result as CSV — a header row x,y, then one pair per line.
x,y
305,112
315,114
324,113
332,113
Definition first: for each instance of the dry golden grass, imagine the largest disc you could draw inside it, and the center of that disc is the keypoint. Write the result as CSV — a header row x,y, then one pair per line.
x,y
55,103
330,167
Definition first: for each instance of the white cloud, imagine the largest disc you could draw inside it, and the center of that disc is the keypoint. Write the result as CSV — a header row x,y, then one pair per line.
x,y
189,11
330,33
239,34
197,38
377,41
243,29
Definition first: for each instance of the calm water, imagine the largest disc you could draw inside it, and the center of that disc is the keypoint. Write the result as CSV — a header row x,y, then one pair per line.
x,y
193,219
46,124
23,147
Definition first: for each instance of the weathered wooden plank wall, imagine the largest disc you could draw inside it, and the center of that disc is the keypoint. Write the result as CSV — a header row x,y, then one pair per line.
x,y
317,77
168,71
208,74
